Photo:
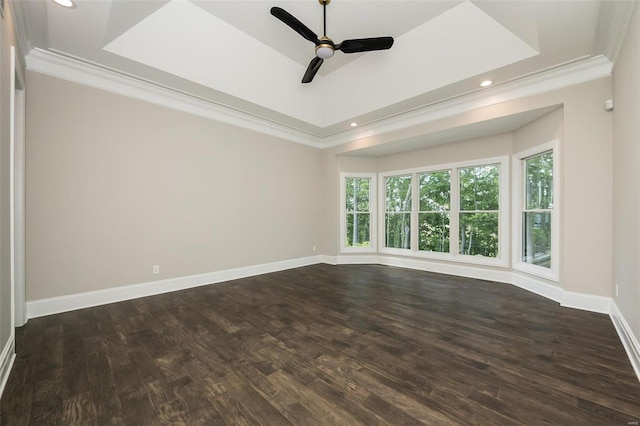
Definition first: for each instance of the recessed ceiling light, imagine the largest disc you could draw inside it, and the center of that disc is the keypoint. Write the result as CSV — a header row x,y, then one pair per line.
x,y
354,124
486,83
65,3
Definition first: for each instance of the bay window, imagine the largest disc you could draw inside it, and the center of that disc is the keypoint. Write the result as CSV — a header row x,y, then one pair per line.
x,y
453,212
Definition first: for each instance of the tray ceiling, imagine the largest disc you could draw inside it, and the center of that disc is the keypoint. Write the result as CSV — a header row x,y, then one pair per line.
x,y
235,54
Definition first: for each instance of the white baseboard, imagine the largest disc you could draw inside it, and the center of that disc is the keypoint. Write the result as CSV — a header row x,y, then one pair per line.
x,y
537,285
586,302
71,302
7,357
355,259
54,305
629,340
503,276
460,270
600,304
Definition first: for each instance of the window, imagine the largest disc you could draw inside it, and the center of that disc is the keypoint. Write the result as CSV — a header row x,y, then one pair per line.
x,y
535,213
479,210
357,214
433,213
397,217
449,212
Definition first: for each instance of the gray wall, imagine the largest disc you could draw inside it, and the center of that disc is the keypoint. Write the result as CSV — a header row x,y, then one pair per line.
x,y
586,171
116,185
7,39
626,176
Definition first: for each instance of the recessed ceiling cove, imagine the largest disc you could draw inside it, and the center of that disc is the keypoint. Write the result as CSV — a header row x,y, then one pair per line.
x,y
186,40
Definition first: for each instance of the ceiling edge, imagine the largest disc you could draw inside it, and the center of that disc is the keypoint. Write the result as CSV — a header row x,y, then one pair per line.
x,y
20,26
553,79
65,68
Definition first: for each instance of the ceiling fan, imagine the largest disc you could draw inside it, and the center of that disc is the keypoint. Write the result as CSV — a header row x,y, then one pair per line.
x,y
325,47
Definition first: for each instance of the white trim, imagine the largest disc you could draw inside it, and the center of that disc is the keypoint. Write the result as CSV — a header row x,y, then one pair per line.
x,y
7,357
371,259
12,172
54,305
537,286
17,199
329,260
373,192
447,268
586,302
556,78
629,340
65,68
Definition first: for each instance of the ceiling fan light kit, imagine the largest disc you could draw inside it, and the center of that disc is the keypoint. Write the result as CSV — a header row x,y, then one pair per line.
x,y
325,47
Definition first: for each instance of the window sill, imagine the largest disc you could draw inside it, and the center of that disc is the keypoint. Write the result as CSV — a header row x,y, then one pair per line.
x,y
447,257
538,271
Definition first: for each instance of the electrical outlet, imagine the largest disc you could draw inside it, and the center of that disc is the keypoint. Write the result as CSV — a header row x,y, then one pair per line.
x,y
156,269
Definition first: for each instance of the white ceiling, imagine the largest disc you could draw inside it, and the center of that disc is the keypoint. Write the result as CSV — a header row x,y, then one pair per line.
x,y
235,54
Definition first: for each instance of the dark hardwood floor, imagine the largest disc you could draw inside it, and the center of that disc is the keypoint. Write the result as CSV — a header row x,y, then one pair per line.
x,y
325,345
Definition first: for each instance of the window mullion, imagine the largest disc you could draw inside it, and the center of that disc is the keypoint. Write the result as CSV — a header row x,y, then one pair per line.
x,y
454,210
415,206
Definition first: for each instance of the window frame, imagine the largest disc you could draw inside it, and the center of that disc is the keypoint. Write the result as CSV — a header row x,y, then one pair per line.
x,y
519,198
454,209
419,211
383,213
373,194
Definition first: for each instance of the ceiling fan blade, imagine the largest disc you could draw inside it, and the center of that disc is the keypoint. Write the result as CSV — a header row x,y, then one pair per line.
x,y
312,69
296,25
365,44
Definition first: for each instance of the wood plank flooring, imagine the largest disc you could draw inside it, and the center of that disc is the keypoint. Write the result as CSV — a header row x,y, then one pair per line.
x,y
336,345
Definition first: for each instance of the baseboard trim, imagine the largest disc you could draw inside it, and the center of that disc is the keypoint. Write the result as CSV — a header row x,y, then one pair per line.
x,y
586,302
503,276
7,357
537,286
499,275
355,259
629,341
54,305
71,302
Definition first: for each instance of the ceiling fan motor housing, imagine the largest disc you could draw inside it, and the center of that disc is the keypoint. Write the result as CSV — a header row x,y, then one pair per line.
x,y
326,48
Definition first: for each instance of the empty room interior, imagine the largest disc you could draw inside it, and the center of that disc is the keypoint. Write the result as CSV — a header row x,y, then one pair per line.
x,y
319,212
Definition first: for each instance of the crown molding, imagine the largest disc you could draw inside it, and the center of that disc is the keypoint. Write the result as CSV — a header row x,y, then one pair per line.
x,y
556,78
65,68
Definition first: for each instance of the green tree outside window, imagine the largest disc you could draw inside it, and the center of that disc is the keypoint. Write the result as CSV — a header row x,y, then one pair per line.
x,y
479,210
358,212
